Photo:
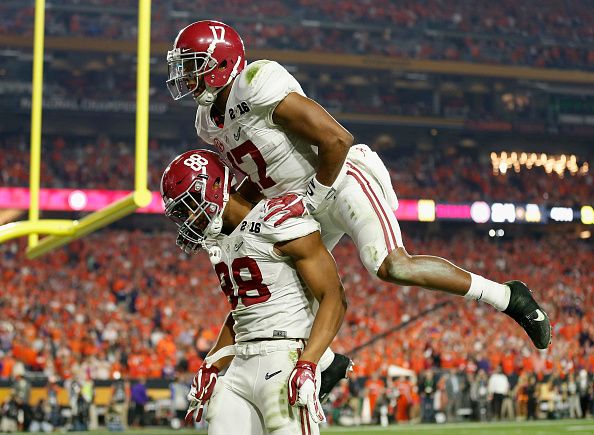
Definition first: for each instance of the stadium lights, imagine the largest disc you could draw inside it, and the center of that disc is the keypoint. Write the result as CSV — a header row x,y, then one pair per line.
x,y
496,233
562,214
502,212
533,213
558,164
426,208
587,215
480,212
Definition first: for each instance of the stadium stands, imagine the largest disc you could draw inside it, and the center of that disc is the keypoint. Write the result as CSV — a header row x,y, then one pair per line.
x,y
117,304
543,34
451,175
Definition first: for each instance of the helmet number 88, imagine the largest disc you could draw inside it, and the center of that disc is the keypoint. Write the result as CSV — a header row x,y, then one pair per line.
x,y
196,162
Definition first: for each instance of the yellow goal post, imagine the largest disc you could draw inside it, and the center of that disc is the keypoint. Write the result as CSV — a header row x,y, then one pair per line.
x,y
61,232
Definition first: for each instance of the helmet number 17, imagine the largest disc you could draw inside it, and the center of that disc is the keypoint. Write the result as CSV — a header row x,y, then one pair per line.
x,y
218,34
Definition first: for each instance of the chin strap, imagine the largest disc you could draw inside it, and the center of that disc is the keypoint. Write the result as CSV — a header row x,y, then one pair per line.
x,y
209,95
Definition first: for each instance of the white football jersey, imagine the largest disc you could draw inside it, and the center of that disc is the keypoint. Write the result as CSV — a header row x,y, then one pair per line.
x,y
268,299
250,141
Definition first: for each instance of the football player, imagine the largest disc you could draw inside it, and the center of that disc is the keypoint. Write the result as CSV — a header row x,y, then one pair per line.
x,y
273,339
259,119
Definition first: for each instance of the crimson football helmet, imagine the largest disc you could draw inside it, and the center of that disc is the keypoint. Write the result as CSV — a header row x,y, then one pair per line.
x,y
195,189
206,56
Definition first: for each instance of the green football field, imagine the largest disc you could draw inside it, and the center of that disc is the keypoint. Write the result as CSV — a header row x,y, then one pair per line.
x,y
578,427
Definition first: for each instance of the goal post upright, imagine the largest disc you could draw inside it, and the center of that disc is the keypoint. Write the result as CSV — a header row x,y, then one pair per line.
x,y
36,116
64,231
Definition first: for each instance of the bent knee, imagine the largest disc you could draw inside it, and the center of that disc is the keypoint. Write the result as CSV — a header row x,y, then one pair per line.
x,y
396,267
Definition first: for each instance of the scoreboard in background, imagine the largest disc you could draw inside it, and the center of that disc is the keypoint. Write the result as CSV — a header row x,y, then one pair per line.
x,y
419,210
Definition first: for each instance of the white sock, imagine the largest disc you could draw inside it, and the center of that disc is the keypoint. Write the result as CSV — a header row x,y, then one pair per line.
x,y
326,359
491,292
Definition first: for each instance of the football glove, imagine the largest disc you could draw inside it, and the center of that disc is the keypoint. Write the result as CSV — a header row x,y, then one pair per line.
x,y
202,387
304,387
286,206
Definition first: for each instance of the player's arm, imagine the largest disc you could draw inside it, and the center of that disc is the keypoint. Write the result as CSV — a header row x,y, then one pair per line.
x,y
318,270
226,338
205,380
305,118
250,191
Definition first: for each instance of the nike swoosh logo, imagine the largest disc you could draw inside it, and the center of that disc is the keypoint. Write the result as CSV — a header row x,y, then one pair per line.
x,y
237,246
539,316
269,375
236,136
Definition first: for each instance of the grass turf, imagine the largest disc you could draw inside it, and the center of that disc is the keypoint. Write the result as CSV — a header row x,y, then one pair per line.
x,y
542,427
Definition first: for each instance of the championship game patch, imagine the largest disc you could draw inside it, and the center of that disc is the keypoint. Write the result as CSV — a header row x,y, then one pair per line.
x,y
279,334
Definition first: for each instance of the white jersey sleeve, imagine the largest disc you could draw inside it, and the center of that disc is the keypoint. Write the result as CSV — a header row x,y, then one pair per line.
x,y
264,84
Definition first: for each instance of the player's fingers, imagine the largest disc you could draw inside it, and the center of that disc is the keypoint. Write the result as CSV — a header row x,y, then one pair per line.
x,y
190,414
315,409
199,415
283,218
292,390
273,211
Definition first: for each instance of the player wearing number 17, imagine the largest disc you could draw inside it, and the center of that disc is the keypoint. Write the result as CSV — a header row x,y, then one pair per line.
x,y
271,276
259,119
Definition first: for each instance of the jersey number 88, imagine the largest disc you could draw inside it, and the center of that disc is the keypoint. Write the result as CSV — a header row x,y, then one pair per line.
x,y
236,287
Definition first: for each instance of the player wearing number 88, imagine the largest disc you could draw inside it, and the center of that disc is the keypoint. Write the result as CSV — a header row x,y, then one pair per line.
x,y
273,340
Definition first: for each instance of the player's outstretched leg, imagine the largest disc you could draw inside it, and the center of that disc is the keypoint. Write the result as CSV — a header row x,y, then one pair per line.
x,y
337,370
513,298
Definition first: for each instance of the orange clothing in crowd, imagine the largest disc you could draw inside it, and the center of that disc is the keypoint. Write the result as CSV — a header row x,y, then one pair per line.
x,y
6,365
375,387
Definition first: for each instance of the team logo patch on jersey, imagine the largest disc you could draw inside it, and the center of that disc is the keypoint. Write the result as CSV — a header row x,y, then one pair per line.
x,y
279,334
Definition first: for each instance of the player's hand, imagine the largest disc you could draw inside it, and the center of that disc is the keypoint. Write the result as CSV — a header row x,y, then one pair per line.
x,y
317,196
304,387
286,206
202,387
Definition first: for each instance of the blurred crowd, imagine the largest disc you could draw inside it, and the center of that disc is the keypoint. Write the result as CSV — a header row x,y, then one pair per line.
x,y
131,305
449,174
544,34
456,395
